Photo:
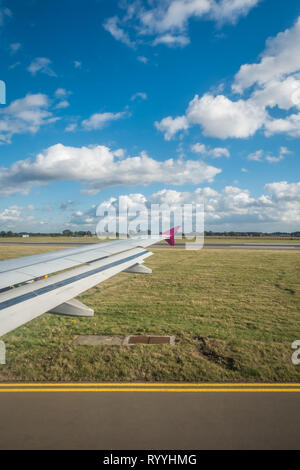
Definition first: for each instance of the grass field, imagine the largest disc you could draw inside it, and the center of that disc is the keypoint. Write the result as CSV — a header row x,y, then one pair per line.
x,y
235,315
94,239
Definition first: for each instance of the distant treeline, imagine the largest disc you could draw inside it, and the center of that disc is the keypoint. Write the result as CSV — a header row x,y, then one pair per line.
x,y
65,233
251,234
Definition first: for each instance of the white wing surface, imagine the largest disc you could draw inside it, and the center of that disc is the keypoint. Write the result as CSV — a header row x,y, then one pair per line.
x,y
91,265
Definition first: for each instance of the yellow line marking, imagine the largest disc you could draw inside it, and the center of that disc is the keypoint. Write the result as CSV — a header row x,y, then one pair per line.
x,y
149,390
112,384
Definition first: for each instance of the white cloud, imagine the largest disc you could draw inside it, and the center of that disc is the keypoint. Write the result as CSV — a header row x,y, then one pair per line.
x,y
216,152
289,125
223,118
62,104
139,94
4,12
272,82
280,58
99,167
170,126
172,40
218,116
232,208
42,65
61,94
17,216
276,80
142,59
25,115
167,20
99,120
172,15
12,213
259,156
231,10
77,64
112,26
71,127
256,156
15,47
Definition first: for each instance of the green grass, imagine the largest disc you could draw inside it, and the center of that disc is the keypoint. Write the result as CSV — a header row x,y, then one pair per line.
x,y
235,315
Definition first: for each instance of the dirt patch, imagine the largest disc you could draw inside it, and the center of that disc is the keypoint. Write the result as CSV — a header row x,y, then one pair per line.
x,y
286,289
210,349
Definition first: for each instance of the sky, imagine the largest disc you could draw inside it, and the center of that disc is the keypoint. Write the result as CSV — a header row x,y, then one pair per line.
x,y
169,101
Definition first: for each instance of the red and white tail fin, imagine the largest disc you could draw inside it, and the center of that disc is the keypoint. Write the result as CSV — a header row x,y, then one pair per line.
x,y
171,235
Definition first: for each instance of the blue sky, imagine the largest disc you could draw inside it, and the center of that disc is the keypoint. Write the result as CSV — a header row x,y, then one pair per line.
x,y
171,101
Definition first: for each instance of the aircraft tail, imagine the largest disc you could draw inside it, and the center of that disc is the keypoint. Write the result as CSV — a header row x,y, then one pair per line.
x,y
171,235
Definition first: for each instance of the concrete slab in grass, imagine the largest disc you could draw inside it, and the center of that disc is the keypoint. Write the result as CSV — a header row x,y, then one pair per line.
x,y
130,340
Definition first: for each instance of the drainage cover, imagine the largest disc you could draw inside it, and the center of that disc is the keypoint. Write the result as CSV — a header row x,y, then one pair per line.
x,y
149,340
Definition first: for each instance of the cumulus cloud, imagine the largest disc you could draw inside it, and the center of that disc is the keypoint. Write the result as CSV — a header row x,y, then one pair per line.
x,y
170,126
280,58
218,116
232,208
42,65
167,21
18,217
278,206
25,115
98,168
223,118
24,219
273,82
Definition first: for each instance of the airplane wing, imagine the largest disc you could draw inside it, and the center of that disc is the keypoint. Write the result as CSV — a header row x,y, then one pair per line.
x,y
90,265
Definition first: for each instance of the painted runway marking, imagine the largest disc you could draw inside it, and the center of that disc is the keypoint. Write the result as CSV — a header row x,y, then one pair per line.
x,y
179,388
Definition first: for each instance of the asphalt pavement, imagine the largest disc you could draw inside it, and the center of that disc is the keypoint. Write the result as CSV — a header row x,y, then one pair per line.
x,y
150,417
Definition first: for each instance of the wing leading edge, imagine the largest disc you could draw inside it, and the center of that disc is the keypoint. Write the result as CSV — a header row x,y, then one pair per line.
x,y
17,271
